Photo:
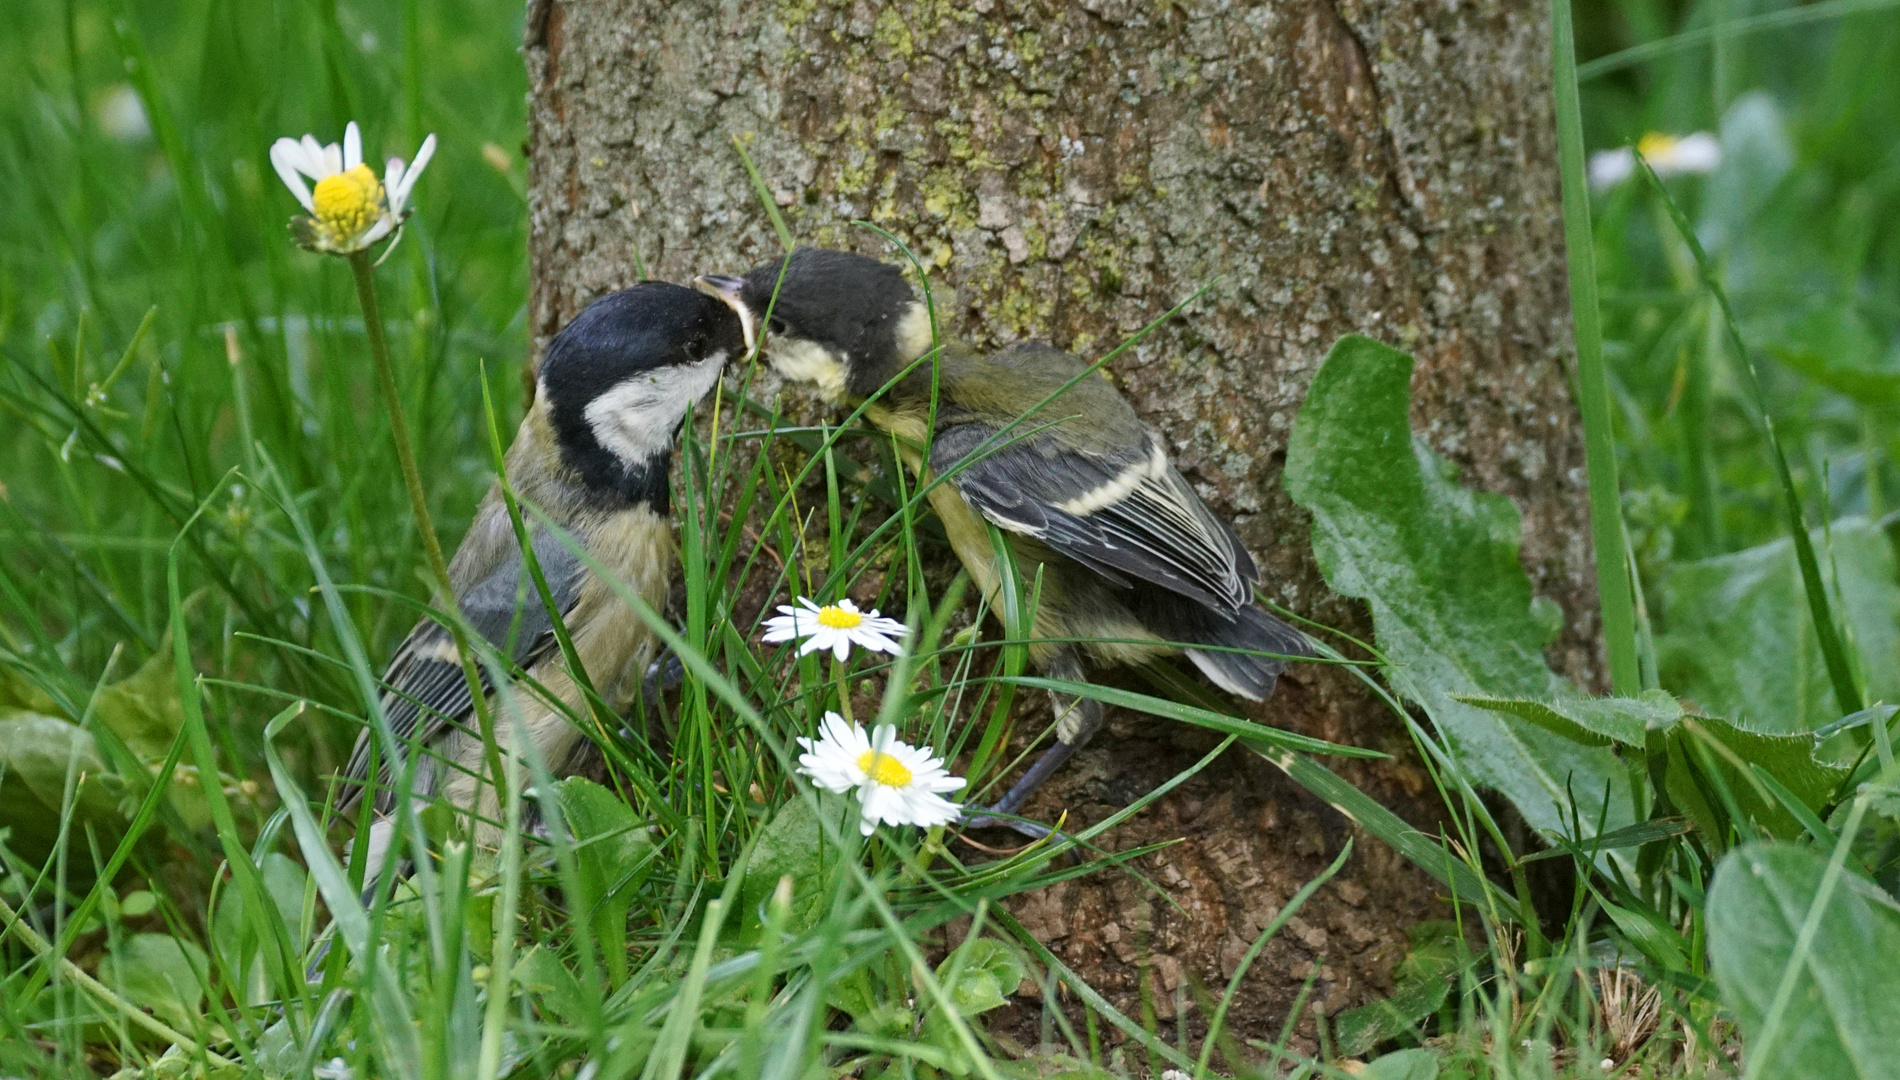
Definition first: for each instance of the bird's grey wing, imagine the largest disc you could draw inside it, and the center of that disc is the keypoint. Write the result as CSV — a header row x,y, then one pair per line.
x,y
424,688
1123,512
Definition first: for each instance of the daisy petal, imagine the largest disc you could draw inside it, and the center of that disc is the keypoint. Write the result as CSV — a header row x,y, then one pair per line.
x,y
392,182
377,231
352,146
317,157
426,151
284,155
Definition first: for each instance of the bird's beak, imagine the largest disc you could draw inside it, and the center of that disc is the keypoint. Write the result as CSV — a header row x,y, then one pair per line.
x,y
728,289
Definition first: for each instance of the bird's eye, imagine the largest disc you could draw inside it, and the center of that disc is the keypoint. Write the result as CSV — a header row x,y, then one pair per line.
x,y
776,325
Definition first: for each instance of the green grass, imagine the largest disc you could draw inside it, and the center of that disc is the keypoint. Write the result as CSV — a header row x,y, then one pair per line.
x,y
209,554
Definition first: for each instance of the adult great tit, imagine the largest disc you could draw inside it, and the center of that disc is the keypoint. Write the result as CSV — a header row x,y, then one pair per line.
x,y
1131,561
593,454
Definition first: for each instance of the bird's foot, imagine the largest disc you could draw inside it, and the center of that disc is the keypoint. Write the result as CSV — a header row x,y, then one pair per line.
x,y
990,819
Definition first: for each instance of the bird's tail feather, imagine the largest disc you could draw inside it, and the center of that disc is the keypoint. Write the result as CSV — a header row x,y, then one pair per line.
x,y
1244,674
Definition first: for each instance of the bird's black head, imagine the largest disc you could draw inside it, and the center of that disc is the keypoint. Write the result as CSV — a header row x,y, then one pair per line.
x,y
843,322
618,380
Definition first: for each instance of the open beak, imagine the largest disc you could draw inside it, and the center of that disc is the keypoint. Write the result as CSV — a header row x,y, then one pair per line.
x,y
728,289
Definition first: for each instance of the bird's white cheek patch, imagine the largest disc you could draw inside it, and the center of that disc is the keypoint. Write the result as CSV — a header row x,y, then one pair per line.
x,y
635,420
806,361
914,335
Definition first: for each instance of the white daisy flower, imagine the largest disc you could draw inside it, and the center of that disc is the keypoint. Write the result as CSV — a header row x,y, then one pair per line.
x,y
1667,154
836,627
349,209
897,783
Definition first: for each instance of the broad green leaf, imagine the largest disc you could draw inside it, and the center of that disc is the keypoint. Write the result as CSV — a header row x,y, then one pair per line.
x,y
1421,983
234,937
17,691
1590,721
160,972
542,974
1790,758
1741,643
1840,1020
1836,347
1403,1065
1438,565
884,1014
36,753
1703,755
791,846
613,852
986,973
979,976
144,708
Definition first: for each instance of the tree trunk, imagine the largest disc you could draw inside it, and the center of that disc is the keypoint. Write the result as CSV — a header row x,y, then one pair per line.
x,y
1074,170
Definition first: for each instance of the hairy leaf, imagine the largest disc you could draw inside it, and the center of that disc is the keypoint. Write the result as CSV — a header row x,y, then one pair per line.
x,y
1438,565
1839,1021
1741,642
1590,721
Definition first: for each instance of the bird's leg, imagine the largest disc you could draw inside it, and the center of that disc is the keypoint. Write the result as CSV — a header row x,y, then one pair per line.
x,y
1077,721
666,672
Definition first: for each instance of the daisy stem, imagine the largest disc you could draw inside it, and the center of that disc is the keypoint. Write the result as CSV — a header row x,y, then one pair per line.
x,y
844,690
365,274
398,423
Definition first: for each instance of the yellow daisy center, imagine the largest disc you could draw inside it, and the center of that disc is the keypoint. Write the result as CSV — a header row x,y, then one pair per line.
x,y
1655,144
838,618
349,202
884,769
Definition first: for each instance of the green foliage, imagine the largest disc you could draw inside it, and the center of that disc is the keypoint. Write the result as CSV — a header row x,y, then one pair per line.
x,y
41,758
1421,984
161,972
1741,640
239,945
1726,777
792,849
613,855
1403,1065
144,710
1437,563
1770,914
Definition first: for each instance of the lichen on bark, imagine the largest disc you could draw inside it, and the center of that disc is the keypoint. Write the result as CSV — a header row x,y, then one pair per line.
x,y
1073,170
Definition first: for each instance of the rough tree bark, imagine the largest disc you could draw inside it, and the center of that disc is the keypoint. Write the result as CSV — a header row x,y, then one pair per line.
x,y
1073,170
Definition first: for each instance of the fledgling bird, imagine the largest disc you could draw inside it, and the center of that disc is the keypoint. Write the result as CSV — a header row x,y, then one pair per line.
x,y
594,454
1130,558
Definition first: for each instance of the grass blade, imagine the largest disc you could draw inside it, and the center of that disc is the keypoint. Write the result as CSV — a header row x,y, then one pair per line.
x,y
1607,539
1826,634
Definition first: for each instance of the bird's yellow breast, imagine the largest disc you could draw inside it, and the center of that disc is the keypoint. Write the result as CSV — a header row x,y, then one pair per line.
x,y
611,639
